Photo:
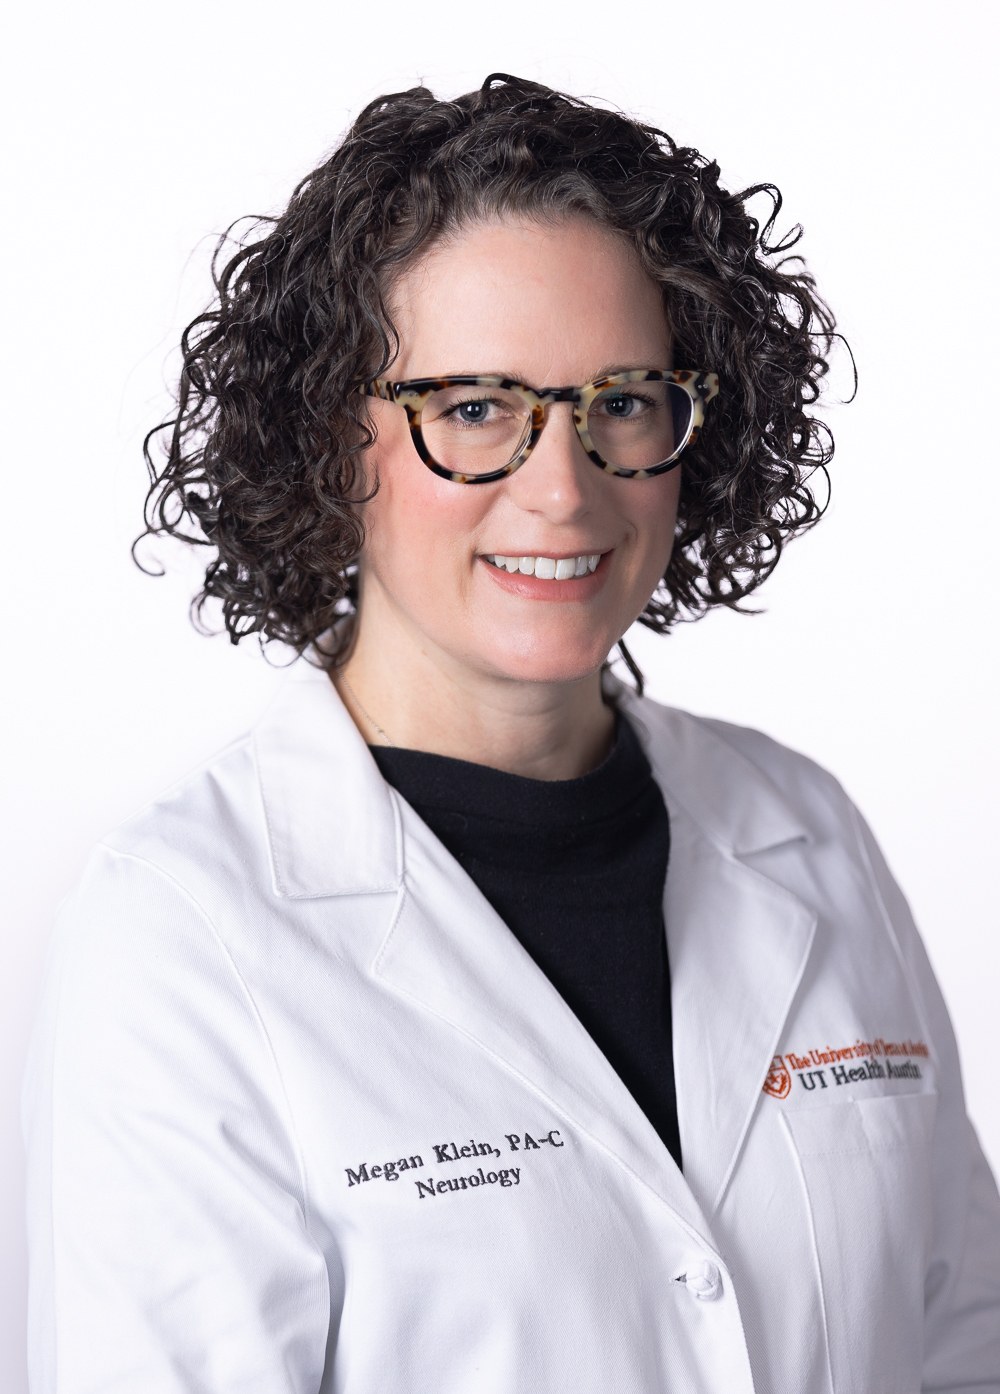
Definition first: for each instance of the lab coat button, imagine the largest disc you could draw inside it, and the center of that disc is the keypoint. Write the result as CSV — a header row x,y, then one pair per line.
x,y
703,1280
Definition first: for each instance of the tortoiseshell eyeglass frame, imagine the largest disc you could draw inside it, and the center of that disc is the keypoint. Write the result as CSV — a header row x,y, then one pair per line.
x,y
413,394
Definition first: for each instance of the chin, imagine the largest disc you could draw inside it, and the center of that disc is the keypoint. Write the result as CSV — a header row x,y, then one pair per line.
x,y
545,662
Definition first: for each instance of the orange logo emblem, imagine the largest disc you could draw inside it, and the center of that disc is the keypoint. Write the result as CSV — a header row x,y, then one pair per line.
x,y
779,1082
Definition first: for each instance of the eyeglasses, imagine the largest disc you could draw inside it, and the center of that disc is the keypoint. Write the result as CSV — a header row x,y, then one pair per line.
x,y
473,430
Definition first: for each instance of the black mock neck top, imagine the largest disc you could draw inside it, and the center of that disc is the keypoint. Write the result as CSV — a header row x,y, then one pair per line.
x,y
576,869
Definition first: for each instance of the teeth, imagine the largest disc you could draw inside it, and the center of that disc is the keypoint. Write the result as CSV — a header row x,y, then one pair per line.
x,y
548,568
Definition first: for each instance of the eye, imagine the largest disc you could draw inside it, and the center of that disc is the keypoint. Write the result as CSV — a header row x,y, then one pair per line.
x,y
622,405
470,413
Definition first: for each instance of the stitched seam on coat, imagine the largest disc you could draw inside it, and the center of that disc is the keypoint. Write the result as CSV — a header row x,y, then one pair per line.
x,y
254,1011
910,977
268,825
383,948
790,1136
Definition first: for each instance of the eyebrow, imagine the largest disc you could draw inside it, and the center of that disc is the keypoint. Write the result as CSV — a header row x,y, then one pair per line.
x,y
609,372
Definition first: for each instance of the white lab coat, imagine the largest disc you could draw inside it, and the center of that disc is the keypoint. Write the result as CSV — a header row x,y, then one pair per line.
x,y
302,1115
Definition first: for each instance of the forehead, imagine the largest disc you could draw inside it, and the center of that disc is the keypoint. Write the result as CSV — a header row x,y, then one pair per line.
x,y
549,303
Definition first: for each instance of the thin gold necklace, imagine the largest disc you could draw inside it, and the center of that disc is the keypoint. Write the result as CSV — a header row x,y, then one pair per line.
x,y
357,702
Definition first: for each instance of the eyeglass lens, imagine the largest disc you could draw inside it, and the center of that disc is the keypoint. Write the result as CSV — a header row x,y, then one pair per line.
x,y
476,430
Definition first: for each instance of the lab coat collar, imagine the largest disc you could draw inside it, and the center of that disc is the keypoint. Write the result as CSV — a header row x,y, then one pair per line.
x,y
333,826
729,798
332,822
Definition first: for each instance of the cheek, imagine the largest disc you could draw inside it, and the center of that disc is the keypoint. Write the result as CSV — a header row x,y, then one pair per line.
x,y
652,513
416,521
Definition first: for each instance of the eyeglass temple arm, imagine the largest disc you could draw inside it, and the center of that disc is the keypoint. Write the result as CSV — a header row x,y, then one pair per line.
x,y
379,387
709,386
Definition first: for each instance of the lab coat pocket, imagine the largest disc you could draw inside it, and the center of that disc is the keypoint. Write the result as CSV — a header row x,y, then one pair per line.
x,y
866,1167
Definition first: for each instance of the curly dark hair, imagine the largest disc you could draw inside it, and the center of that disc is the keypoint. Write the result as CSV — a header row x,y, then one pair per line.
x,y
263,454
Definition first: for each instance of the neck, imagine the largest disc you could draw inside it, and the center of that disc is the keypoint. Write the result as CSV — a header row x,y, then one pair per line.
x,y
425,699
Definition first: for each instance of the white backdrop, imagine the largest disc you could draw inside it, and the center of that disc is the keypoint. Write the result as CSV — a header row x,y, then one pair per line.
x,y
138,130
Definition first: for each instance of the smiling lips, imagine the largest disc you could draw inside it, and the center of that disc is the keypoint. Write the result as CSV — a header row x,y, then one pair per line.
x,y
578,578
549,568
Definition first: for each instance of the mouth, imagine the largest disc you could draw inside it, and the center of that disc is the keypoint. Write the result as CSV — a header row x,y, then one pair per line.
x,y
579,578
549,568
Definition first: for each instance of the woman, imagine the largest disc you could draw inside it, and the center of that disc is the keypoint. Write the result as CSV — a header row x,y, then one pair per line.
x,y
385,1053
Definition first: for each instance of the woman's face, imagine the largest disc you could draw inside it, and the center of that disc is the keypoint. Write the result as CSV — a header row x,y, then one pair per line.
x,y
548,306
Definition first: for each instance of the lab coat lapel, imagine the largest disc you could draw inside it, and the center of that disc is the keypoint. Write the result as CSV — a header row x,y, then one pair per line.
x,y
738,942
332,824
738,945
449,952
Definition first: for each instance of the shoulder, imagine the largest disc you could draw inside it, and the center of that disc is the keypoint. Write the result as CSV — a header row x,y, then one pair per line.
x,y
192,806
291,813
760,799
207,828
150,891
151,957
717,767
797,775
780,763
144,919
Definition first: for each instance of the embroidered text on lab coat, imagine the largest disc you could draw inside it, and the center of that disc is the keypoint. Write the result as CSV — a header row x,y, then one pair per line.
x,y
446,1152
876,1063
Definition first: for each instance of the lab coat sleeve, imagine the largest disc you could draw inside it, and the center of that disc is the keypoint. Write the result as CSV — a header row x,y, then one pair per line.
x,y
962,1290
167,1210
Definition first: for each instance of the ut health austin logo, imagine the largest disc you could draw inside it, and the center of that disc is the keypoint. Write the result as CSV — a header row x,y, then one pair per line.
x,y
779,1082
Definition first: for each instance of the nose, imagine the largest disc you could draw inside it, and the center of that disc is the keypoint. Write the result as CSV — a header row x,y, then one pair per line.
x,y
557,480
